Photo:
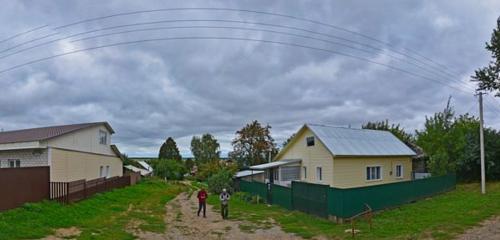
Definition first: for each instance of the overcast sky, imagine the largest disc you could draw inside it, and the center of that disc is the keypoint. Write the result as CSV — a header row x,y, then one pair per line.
x,y
409,57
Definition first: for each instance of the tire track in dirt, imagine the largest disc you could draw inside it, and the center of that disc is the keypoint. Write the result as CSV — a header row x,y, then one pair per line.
x,y
183,223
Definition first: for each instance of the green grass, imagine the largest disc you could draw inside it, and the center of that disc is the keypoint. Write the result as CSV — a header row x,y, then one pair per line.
x,y
440,217
104,216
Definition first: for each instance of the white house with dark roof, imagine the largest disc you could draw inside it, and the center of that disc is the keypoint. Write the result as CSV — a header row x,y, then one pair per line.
x,y
340,157
73,152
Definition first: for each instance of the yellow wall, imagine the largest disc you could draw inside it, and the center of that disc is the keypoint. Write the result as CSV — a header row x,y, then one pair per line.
x,y
312,157
351,171
68,165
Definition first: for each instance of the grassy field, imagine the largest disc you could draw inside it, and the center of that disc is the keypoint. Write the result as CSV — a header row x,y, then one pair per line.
x,y
103,216
440,217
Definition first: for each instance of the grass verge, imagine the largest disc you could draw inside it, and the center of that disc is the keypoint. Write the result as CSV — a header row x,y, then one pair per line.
x,y
104,216
440,217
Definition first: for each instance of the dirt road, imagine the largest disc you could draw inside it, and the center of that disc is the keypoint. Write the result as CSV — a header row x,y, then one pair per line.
x,y
183,223
488,230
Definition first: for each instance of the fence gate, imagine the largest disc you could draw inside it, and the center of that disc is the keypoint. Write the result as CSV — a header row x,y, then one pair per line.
x,y
310,198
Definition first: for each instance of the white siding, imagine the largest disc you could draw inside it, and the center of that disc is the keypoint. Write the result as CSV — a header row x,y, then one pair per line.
x,y
29,157
85,140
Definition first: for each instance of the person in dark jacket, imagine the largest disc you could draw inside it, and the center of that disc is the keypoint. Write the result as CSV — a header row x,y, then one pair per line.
x,y
202,197
224,201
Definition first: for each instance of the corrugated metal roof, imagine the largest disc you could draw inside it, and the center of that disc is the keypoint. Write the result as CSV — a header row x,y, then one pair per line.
x,y
360,142
246,173
275,164
37,134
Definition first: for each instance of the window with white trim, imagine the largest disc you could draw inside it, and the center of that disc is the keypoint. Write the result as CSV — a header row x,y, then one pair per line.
x,y
373,173
14,163
399,171
108,172
305,172
101,171
103,137
319,174
276,174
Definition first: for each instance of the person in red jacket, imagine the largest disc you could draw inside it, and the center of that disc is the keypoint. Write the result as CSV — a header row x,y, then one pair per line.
x,y
202,197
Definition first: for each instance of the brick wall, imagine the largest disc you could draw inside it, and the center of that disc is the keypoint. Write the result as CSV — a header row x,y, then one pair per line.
x,y
29,158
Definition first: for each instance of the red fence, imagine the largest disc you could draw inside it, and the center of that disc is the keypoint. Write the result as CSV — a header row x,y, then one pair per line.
x,y
22,185
66,192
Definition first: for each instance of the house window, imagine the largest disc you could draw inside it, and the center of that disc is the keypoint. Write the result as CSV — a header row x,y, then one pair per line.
x,y
305,172
14,163
290,173
310,141
276,173
101,171
373,173
399,171
108,174
103,137
319,174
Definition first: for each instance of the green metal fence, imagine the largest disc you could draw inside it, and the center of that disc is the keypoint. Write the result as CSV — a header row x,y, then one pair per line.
x,y
282,196
323,200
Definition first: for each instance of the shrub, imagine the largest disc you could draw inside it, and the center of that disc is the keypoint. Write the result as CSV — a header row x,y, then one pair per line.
x,y
220,180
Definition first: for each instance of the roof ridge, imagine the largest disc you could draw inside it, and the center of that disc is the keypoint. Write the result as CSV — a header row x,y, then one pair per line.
x,y
54,126
350,128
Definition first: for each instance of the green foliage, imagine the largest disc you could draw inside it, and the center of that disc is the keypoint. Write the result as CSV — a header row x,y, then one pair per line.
x,y
169,150
103,216
288,140
211,168
205,149
169,168
189,164
252,145
220,180
488,78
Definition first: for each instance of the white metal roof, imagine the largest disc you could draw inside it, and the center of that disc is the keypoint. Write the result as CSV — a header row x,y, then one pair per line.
x,y
275,164
360,142
145,165
143,172
245,173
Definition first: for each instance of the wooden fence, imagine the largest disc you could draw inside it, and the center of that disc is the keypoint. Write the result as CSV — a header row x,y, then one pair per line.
x,y
68,192
22,185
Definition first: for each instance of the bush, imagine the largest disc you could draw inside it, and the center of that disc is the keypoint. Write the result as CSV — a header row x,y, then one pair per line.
x,y
170,169
220,180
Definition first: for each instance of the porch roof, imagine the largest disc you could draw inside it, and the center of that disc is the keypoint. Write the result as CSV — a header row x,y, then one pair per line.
x,y
275,164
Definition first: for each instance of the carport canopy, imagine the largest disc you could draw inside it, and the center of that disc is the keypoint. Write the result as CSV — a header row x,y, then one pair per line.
x,y
275,164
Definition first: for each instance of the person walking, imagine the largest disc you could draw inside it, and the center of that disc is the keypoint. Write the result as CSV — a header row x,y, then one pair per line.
x,y
224,200
202,204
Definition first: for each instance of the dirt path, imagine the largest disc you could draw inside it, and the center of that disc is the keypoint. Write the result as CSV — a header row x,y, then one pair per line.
x,y
183,223
488,230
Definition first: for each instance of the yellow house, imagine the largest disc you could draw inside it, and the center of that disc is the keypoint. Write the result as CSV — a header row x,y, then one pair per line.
x,y
340,157
73,152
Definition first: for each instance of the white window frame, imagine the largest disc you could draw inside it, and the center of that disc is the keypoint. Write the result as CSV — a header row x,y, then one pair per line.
x,y
396,171
103,137
304,168
108,171
101,171
319,177
16,163
276,174
375,179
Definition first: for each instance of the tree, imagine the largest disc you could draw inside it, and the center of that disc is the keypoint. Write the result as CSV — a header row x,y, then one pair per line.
x,y
488,78
220,180
205,149
169,150
170,169
436,141
399,132
253,144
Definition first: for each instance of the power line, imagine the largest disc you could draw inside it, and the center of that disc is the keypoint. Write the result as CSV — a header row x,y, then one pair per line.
x,y
228,38
256,12
22,33
27,42
230,21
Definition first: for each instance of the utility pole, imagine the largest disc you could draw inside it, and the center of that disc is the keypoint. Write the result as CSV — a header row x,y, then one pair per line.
x,y
481,142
